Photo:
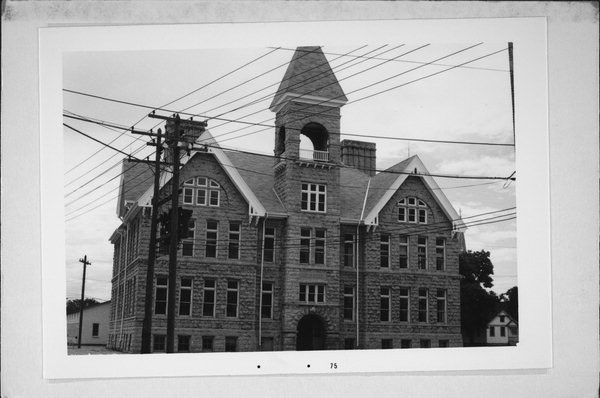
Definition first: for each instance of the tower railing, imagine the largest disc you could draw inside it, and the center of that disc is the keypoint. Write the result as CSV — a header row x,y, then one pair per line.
x,y
318,156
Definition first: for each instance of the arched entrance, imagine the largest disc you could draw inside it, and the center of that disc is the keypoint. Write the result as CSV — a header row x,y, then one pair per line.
x,y
311,333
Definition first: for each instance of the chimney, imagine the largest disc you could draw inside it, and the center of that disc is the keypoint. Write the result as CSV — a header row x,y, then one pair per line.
x,y
359,155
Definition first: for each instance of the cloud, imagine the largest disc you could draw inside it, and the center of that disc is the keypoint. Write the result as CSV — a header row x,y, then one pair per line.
x,y
486,165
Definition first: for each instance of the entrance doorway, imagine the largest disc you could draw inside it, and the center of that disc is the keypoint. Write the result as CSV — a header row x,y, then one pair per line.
x,y
311,333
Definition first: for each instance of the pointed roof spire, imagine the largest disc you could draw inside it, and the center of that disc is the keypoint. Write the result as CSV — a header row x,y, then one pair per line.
x,y
309,77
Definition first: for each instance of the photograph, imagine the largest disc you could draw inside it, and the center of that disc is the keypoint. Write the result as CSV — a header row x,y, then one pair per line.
x,y
290,198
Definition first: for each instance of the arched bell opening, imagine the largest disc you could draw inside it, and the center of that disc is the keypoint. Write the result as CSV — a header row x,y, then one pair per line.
x,y
314,142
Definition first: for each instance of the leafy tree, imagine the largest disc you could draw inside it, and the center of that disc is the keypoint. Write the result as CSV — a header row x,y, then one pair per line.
x,y
75,305
510,302
478,305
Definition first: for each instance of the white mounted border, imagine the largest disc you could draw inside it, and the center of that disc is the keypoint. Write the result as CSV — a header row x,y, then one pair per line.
x,y
533,222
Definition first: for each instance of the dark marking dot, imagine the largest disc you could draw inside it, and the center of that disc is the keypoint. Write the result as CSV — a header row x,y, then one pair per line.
x,y
308,366
258,366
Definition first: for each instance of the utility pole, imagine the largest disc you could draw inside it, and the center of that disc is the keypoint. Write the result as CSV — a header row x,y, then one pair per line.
x,y
85,264
147,323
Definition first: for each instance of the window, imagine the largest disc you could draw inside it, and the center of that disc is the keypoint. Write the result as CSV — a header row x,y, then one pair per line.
x,y
304,245
385,301
412,210
187,244
231,344
158,345
403,255
440,254
232,299
349,344
319,246
207,343
212,235
492,331
95,329
441,305
183,343
422,252
269,249
208,305
234,240
349,303
387,344
198,190
266,343
313,197
502,318
384,251
185,297
502,331
160,295
425,343
266,310
312,294
405,343
404,304
423,305
349,250
444,343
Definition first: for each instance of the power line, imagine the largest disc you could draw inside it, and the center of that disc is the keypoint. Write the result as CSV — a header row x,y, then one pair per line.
x,y
98,141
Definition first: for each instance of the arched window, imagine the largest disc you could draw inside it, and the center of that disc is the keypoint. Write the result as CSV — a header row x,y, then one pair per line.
x,y
201,191
412,210
314,142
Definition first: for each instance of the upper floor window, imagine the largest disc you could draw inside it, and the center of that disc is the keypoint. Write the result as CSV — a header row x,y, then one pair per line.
x,y
412,210
440,254
384,251
313,197
312,293
201,191
269,247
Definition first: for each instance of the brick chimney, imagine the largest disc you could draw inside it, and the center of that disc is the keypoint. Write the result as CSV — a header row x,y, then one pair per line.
x,y
360,155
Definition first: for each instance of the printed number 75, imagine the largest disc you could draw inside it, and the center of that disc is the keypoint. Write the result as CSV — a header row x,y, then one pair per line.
x,y
333,365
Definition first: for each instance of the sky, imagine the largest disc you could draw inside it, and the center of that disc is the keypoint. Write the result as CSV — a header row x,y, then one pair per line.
x,y
468,103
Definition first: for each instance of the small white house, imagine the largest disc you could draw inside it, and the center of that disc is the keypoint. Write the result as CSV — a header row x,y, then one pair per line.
x,y
94,330
502,330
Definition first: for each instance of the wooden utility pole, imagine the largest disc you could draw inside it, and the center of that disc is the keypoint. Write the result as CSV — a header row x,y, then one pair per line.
x,y
147,323
85,264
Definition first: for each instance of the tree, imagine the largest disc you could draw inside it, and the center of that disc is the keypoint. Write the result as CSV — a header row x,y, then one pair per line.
x,y
75,305
510,302
477,305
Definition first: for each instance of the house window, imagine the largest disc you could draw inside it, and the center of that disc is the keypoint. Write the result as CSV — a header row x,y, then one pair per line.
x,y
95,329
349,301
422,252
212,235
423,305
313,197
440,254
349,250
183,343
492,331
232,298
158,343
185,297
387,344
312,293
266,310
187,244
412,210
425,343
201,191
441,305
231,344
208,343
320,246
444,343
234,240
502,331
266,343
502,318
160,295
269,249
403,255
405,343
384,251
304,245
385,304
404,304
348,344
208,305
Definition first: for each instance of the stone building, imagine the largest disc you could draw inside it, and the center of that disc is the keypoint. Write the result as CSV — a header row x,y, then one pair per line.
x,y
303,250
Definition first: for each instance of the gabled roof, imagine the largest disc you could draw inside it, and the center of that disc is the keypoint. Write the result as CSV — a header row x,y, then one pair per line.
x,y
386,183
504,313
310,77
353,187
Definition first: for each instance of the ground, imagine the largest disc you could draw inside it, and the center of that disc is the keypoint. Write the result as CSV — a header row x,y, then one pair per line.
x,y
90,349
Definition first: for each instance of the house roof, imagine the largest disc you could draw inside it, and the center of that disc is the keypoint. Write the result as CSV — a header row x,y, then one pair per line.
x,y
504,313
309,76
